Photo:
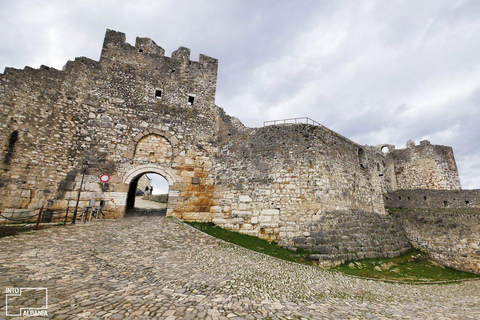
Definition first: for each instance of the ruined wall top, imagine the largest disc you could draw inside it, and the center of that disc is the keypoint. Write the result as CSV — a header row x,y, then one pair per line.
x,y
115,46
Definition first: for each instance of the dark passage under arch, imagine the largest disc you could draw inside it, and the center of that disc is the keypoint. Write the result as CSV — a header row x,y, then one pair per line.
x,y
148,193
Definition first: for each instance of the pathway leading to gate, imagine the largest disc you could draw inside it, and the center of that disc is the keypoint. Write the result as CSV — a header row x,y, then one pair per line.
x,y
157,268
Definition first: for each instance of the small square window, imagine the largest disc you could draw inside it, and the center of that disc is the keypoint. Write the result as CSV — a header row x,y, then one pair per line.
x,y
158,94
190,100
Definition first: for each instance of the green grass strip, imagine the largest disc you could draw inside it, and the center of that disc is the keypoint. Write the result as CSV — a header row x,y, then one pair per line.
x,y
411,266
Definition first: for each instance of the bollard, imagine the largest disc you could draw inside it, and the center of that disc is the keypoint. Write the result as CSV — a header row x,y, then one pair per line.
x,y
66,216
39,218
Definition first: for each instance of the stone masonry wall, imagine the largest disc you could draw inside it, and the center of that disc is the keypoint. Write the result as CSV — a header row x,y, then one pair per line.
x,y
451,238
342,236
143,183
433,199
304,186
423,166
98,111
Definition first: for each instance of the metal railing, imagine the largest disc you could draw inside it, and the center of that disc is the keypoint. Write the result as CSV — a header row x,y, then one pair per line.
x,y
18,216
304,120
42,215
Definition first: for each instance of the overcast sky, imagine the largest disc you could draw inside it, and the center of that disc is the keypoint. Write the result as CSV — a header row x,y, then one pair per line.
x,y
373,71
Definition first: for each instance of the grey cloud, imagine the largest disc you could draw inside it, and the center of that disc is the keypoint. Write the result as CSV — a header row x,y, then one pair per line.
x,y
375,71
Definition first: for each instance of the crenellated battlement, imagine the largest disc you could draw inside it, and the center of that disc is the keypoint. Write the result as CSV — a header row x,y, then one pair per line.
x,y
147,45
115,46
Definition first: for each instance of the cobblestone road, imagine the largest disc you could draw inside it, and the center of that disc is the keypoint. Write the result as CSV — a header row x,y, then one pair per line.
x,y
158,268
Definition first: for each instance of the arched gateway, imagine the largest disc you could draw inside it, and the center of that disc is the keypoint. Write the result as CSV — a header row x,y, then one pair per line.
x,y
131,179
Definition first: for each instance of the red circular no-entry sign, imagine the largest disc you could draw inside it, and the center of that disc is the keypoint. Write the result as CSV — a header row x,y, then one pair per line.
x,y
104,178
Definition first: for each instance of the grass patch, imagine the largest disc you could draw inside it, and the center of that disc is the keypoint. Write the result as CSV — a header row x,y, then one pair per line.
x,y
254,243
411,266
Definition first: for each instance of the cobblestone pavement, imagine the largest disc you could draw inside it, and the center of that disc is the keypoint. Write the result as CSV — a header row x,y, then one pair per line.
x,y
141,203
158,268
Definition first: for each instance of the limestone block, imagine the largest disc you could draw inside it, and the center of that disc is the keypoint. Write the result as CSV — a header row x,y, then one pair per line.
x,y
268,225
265,219
247,226
219,221
270,212
90,186
215,209
254,220
244,198
263,192
25,194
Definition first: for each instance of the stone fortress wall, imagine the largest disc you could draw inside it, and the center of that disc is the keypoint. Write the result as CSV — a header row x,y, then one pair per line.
x,y
304,186
433,199
444,223
137,111
100,112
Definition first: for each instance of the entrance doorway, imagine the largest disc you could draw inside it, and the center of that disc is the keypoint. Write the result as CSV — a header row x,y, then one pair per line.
x,y
148,194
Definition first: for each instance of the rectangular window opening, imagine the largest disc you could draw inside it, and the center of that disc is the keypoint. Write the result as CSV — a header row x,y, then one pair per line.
x,y
158,94
445,203
467,202
190,100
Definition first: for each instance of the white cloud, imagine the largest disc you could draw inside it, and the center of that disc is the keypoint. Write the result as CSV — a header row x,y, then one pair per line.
x,y
375,71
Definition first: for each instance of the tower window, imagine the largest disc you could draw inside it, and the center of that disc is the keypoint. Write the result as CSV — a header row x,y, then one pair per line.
x,y
190,100
158,94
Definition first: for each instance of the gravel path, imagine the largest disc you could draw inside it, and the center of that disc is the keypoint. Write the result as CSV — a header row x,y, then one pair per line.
x,y
158,268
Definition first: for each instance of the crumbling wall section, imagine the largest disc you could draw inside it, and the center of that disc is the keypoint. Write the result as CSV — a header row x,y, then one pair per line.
x,y
423,166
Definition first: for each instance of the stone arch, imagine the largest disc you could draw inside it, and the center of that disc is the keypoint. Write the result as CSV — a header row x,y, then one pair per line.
x,y
131,179
153,148
171,139
164,171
